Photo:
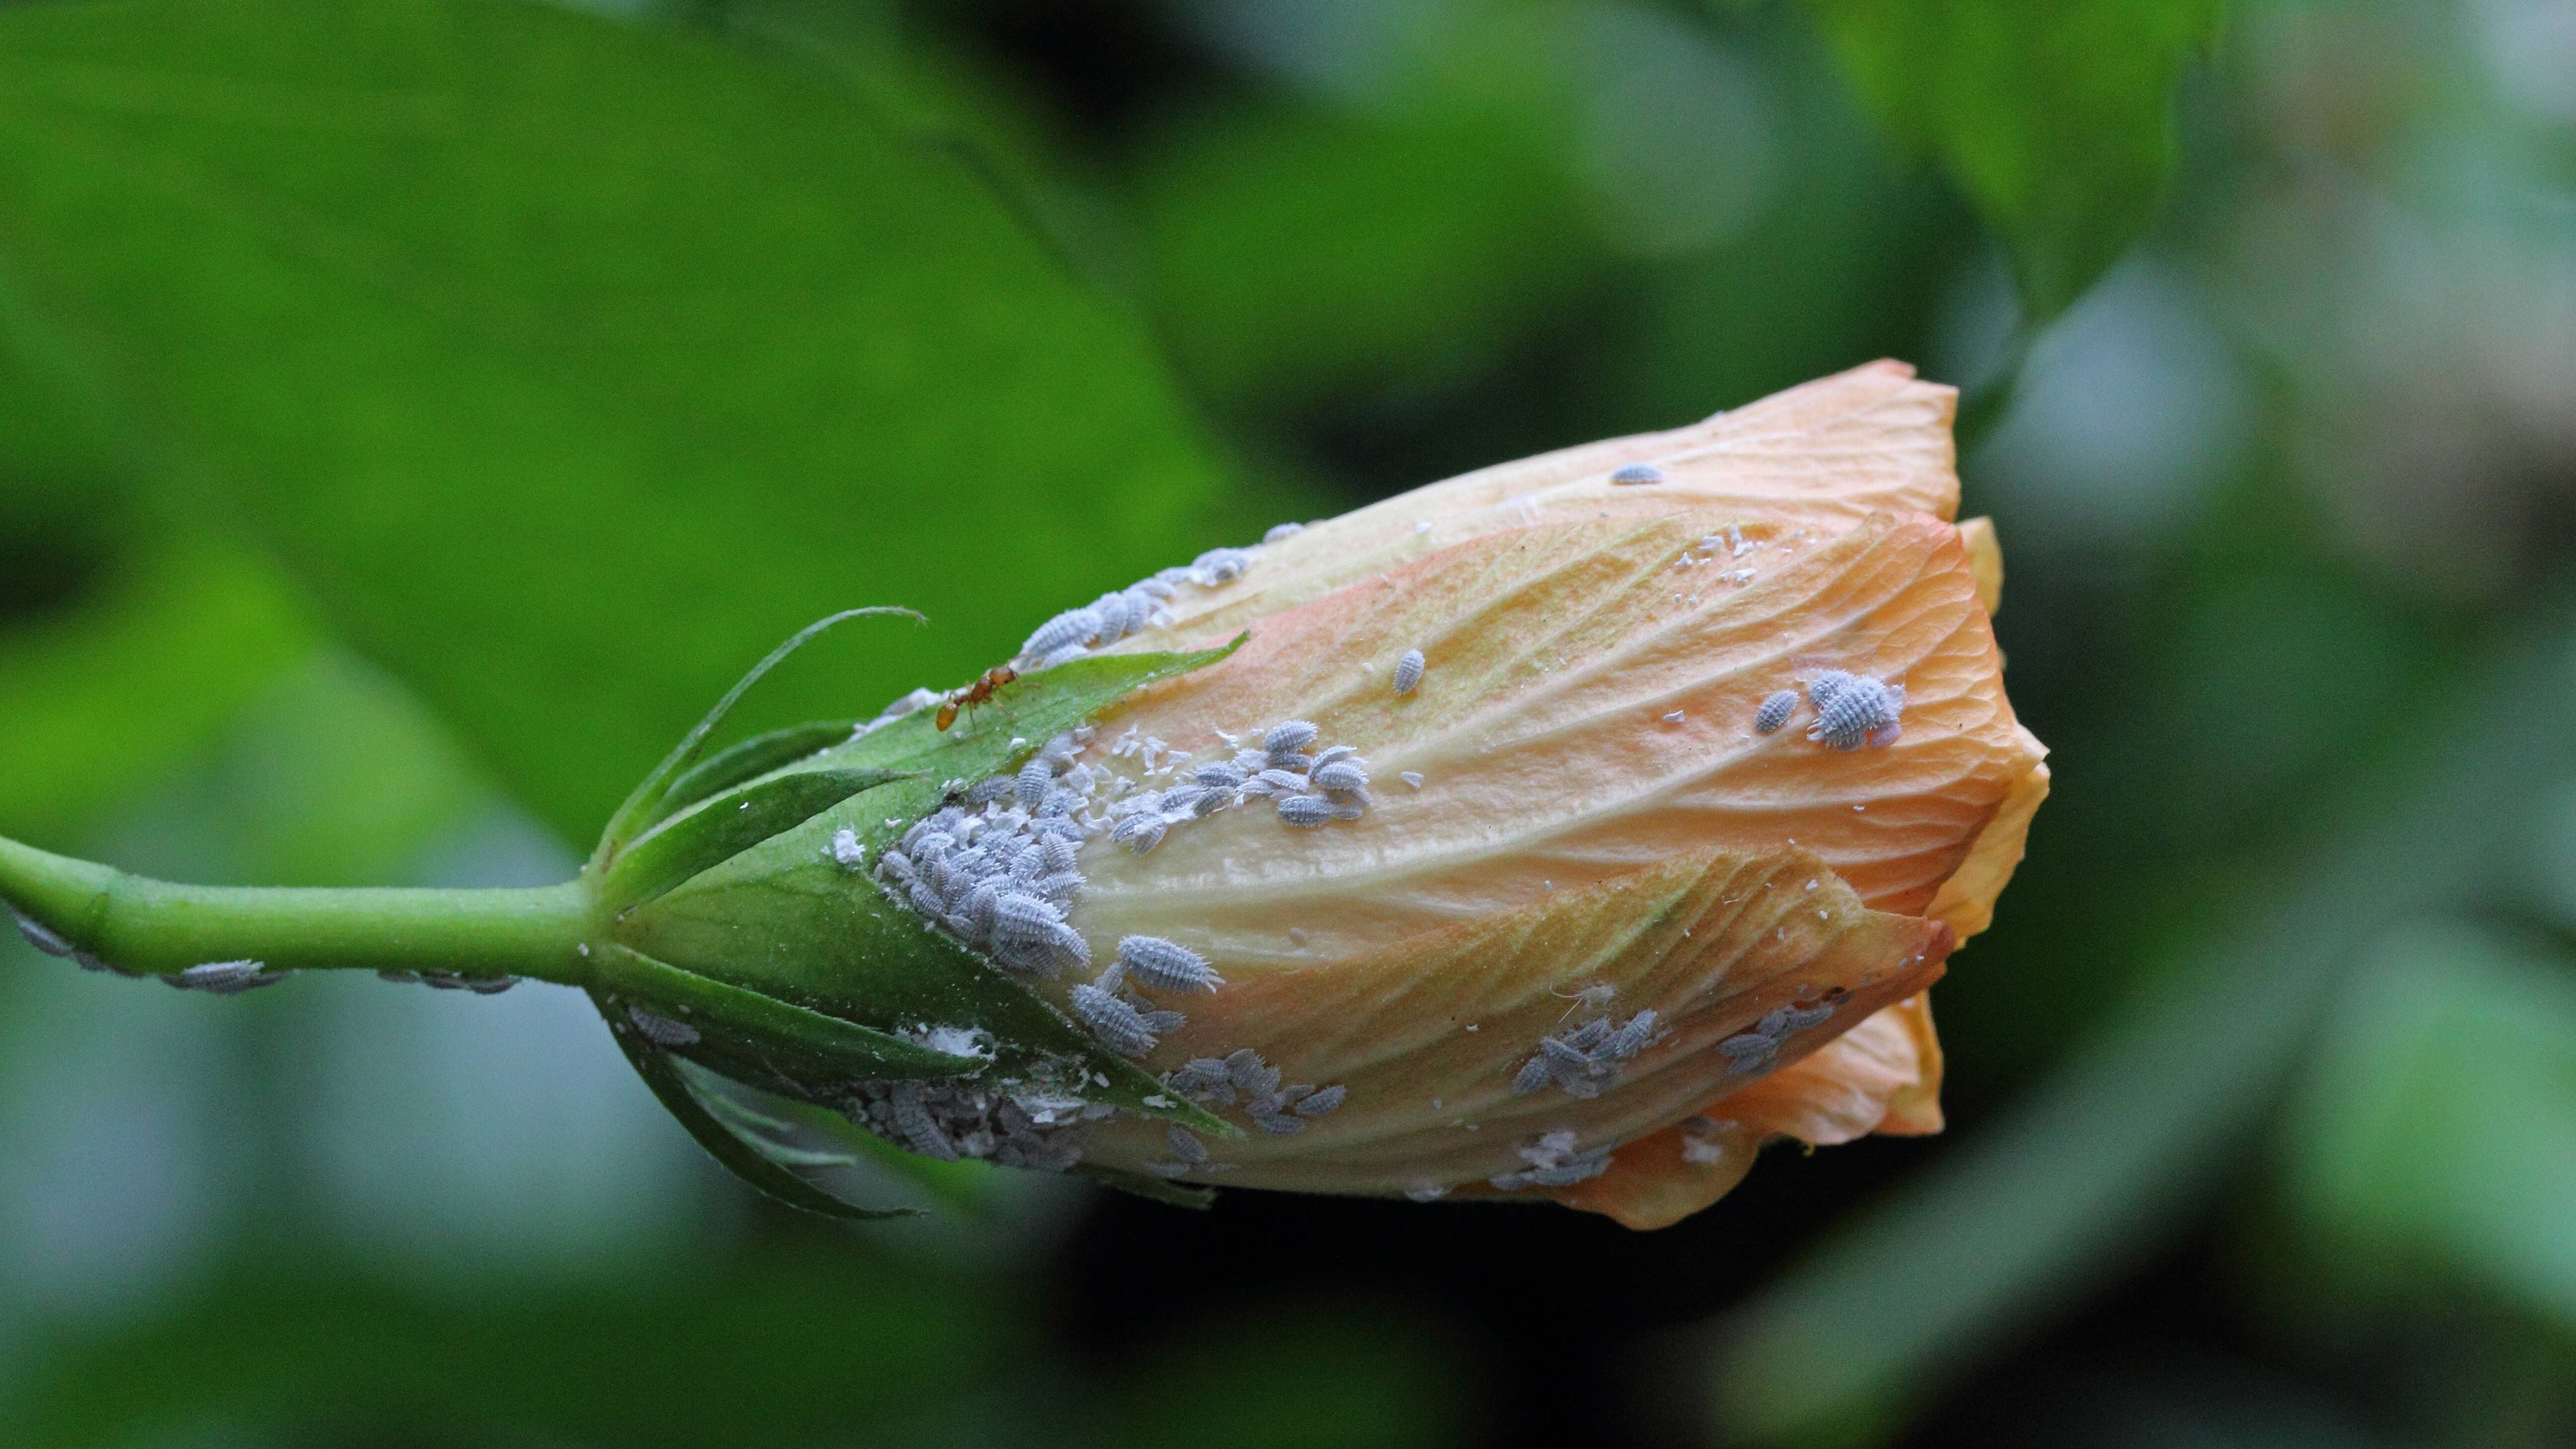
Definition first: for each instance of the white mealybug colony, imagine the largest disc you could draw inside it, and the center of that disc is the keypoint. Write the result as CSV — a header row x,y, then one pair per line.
x,y
1635,473
1028,1124
997,865
1775,712
1853,710
1001,874
1408,672
1758,1049
1588,1060
1145,604
1242,1079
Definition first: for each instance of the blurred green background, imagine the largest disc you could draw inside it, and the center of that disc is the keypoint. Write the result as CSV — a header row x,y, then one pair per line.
x,y
412,414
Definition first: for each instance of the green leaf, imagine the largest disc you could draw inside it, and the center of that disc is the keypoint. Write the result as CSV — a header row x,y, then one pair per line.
x,y
101,702
785,920
738,1152
567,363
2056,120
1302,254
755,1034
726,826
2438,1120
750,759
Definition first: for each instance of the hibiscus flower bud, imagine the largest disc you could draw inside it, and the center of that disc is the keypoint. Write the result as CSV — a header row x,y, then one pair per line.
x,y
1511,891
1565,831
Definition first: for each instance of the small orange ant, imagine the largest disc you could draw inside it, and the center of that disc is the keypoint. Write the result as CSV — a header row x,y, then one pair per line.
x,y
975,694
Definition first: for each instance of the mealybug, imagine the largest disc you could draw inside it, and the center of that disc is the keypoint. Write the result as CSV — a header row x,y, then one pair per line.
x,y
1166,965
662,1030
1288,737
1305,810
1775,712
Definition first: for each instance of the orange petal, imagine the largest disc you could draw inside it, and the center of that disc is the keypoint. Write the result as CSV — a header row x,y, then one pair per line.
x,y
1543,738
1821,456
1985,560
1967,899
1427,1033
1881,1076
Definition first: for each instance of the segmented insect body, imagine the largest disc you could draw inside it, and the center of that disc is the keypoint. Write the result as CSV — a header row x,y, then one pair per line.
x,y
39,936
1323,1100
1073,626
1854,709
1249,1073
911,1110
1340,775
1166,965
1203,1079
1035,779
1288,737
1185,1145
1113,1021
1305,810
224,978
1775,712
1638,473
1631,1039
1139,832
1408,672
1279,531
1534,1075
1219,566
662,1030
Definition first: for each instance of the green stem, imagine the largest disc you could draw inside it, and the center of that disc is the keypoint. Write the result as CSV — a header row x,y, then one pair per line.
x,y
137,924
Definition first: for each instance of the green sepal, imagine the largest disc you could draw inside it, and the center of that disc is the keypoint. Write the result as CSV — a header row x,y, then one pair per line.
x,y
738,1152
1032,709
754,1034
1172,1193
786,921
645,803
772,1120
725,826
747,760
